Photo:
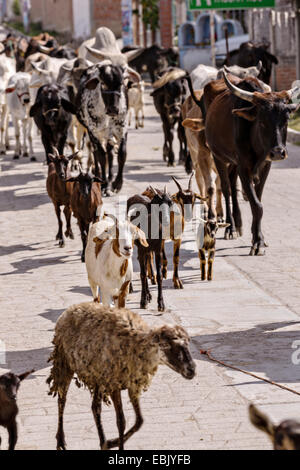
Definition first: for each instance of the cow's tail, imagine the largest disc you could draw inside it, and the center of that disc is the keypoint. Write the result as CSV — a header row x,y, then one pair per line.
x,y
200,102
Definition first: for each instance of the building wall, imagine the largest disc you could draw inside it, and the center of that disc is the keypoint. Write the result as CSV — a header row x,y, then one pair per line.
x,y
55,14
107,13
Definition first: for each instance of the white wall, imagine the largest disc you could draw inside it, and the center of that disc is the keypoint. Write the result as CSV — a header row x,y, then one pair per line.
x,y
82,18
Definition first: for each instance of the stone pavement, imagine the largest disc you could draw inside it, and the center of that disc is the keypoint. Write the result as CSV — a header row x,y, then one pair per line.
x,y
248,316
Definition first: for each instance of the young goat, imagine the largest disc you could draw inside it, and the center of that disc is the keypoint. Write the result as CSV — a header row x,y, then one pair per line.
x,y
60,192
109,259
136,102
285,436
185,202
111,350
206,242
153,219
9,386
86,202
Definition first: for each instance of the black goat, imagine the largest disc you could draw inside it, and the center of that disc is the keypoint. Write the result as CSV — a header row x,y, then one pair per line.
x,y
9,386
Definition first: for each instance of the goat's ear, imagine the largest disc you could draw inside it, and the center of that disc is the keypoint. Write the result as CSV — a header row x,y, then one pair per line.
x,y
25,375
261,421
35,108
140,235
68,106
223,225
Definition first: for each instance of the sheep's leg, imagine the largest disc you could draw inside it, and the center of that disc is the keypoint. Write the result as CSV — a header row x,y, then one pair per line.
x,y
121,422
96,409
164,261
177,282
211,257
160,300
137,425
59,235
62,397
202,257
68,214
12,435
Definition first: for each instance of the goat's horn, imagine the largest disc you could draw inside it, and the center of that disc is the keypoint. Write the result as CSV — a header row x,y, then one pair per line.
x,y
166,190
190,182
243,94
56,151
177,184
24,376
113,217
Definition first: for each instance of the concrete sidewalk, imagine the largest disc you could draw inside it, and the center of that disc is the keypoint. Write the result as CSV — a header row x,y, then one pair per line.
x,y
248,316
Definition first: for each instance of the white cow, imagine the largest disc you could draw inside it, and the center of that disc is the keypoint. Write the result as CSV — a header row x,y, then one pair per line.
x,y
7,69
18,102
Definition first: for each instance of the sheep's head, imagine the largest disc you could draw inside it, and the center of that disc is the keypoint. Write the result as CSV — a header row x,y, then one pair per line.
x,y
286,436
173,343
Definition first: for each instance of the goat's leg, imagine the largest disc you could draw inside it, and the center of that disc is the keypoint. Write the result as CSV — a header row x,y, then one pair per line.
x,y
143,260
138,421
62,397
160,300
202,257
211,258
164,261
68,215
122,155
148,293
17,136
121,422
176,247
96,409
12,429
59,235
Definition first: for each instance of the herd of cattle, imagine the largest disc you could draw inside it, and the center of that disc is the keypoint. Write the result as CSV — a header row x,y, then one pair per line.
x,y
230,125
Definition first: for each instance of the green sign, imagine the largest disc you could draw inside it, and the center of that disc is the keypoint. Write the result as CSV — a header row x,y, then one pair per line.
x,y
229,4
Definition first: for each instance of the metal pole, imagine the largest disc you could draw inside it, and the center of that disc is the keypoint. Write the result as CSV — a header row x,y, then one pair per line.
x,y
297,21
212,38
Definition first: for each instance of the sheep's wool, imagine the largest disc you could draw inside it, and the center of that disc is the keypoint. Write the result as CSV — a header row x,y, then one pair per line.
x,y
106,348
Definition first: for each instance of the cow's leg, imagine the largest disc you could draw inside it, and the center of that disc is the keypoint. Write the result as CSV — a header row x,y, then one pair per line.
x,y
177,282
143,117
4,126
68,214
122,154
59,235
160,300
48,147
182,143
71,141
258,242
136,118
110,157
263,175
30,126
100,159
129,117
230,232
84,230
219,206
25,130
61,144
17,135
235,203
202,257
143,261
169,137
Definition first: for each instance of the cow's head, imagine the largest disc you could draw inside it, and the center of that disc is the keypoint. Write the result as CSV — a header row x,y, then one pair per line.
x,y
250,54
21,89
49,101
171,86
269,115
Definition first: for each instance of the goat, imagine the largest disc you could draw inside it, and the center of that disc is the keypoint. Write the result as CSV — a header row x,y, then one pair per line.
x,y
184,200
136,102
111,350
9,386
86,202
154,217
285,436
206,242
60,192
109,259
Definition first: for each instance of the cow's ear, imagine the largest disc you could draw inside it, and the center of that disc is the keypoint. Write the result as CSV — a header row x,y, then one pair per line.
x,y
35,108
68,106
92,84
10,90
194,124
249,114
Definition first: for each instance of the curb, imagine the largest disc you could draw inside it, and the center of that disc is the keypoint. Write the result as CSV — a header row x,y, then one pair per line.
x,y
293,136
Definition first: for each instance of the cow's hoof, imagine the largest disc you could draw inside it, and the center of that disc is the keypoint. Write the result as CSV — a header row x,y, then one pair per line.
x,y
108,193
69,234
25,154
177,284
117,185
154,281
165,273
83,258
3,152
33,159
149,297
230,234
258,250
131,291
172,164
239,231
61,244
16,157
161,307
143,305
221,219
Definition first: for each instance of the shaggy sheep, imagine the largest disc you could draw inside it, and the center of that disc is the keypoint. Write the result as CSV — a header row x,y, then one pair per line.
x,y
111,350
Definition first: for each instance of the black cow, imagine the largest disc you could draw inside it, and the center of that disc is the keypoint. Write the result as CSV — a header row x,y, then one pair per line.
x,y
250,54
51,113
246,130
154,60
169,96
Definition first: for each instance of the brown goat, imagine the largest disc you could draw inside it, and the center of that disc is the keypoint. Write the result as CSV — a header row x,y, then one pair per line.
x,y
9,386
60,192
86,202
206,241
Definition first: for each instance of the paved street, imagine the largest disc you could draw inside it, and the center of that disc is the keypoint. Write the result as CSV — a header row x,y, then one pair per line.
x,y
248,316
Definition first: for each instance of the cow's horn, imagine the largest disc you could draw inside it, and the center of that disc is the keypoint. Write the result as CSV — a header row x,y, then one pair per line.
x,y
177,184
259,66
243,94
46,50
294,93
191,179
131,55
